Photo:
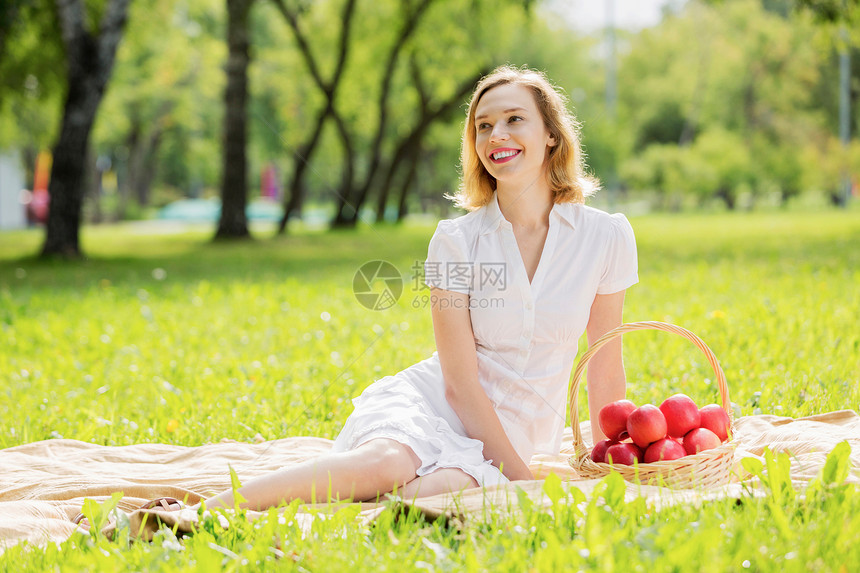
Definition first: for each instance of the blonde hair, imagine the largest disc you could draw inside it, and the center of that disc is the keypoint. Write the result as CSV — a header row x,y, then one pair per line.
x,y
566,166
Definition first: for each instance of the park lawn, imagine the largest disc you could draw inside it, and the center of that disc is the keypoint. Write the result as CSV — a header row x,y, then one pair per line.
x,y
166,337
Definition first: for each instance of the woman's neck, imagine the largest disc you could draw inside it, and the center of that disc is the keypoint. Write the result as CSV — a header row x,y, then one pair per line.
x,y
527,208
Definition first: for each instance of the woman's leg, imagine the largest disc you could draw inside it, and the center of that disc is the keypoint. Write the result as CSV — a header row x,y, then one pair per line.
x,y
444,480
372,469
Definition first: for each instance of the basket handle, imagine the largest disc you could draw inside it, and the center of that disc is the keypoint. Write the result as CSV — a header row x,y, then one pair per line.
x,y
573,395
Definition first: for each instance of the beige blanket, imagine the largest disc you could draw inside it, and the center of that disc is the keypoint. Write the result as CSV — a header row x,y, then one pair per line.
x,y
43,484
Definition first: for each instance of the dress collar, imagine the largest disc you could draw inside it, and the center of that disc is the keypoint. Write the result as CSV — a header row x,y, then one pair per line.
x,y
493,217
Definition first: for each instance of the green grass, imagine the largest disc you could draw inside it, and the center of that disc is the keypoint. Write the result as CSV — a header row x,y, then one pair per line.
x,y
266,337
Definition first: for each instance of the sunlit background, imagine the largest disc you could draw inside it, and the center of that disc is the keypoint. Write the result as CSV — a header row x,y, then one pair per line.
x,y
704,105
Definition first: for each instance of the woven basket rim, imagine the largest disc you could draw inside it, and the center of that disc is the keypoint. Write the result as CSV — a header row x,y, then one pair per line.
x,y
704,470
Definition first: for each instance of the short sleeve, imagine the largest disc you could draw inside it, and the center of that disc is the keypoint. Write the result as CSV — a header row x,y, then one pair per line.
x,y
621,269
448,265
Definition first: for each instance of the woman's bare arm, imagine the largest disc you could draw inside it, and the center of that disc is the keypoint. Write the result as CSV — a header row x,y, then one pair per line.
x,y
455,343
606,379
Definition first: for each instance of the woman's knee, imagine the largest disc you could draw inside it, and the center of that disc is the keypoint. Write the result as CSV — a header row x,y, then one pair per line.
x,y
390,460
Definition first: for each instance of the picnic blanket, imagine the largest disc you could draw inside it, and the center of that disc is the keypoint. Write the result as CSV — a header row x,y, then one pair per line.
x,y
43,484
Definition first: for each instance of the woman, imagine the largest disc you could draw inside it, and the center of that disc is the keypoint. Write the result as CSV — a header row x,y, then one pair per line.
x,y
514,283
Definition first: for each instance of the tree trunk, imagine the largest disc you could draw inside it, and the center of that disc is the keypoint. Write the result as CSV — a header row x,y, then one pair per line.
x,y
414,156
136,143
728,197
142,162
303,157
122,189
150,166
385,187
837,198
93,187
89,60
66,187
234,179
347,212
29,154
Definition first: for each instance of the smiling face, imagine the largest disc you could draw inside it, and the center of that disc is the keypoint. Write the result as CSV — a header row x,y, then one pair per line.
x,y
511,138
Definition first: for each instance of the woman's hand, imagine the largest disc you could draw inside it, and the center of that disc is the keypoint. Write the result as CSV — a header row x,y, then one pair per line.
x,y
518,473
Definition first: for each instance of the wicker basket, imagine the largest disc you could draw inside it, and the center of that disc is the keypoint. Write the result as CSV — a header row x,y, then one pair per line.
x,y
705,469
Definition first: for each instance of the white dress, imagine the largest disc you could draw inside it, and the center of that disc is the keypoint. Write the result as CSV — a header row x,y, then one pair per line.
x,y
526,335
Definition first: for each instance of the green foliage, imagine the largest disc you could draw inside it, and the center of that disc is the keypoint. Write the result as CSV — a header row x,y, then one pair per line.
x,y
98,514
31,76
165,96
837,466
235,484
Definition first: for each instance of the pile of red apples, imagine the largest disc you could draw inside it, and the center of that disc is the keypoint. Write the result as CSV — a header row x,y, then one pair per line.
x,y
649,434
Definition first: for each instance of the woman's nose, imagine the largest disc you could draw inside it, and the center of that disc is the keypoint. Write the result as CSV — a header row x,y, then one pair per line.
x,y
500,132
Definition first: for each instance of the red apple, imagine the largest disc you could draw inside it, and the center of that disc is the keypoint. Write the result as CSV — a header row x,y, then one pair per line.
x,y
646,424
714,418
682,414
699,440
612,418
665,449
598,454
624,453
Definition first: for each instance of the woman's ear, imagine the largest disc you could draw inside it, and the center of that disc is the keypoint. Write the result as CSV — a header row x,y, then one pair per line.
x,y
552,142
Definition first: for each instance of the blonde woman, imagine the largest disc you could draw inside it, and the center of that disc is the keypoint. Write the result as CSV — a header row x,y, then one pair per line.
x,y
514,284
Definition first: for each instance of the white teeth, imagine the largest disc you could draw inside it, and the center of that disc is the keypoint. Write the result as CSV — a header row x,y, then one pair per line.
x,y
503,154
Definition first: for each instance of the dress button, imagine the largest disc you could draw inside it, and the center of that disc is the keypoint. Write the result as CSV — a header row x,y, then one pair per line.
x,y
529,306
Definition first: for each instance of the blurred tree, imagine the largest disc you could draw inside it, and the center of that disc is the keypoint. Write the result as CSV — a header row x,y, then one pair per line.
x,y
408,149
436,84
89,62
379,134
834,11
348,207
30,80
233,222
662,169
165,101
8,17
755,73
329,88
729,163
418,74
823,163
841,19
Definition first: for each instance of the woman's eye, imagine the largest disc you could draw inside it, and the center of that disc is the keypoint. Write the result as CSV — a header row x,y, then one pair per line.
x,y
483,126
514,118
